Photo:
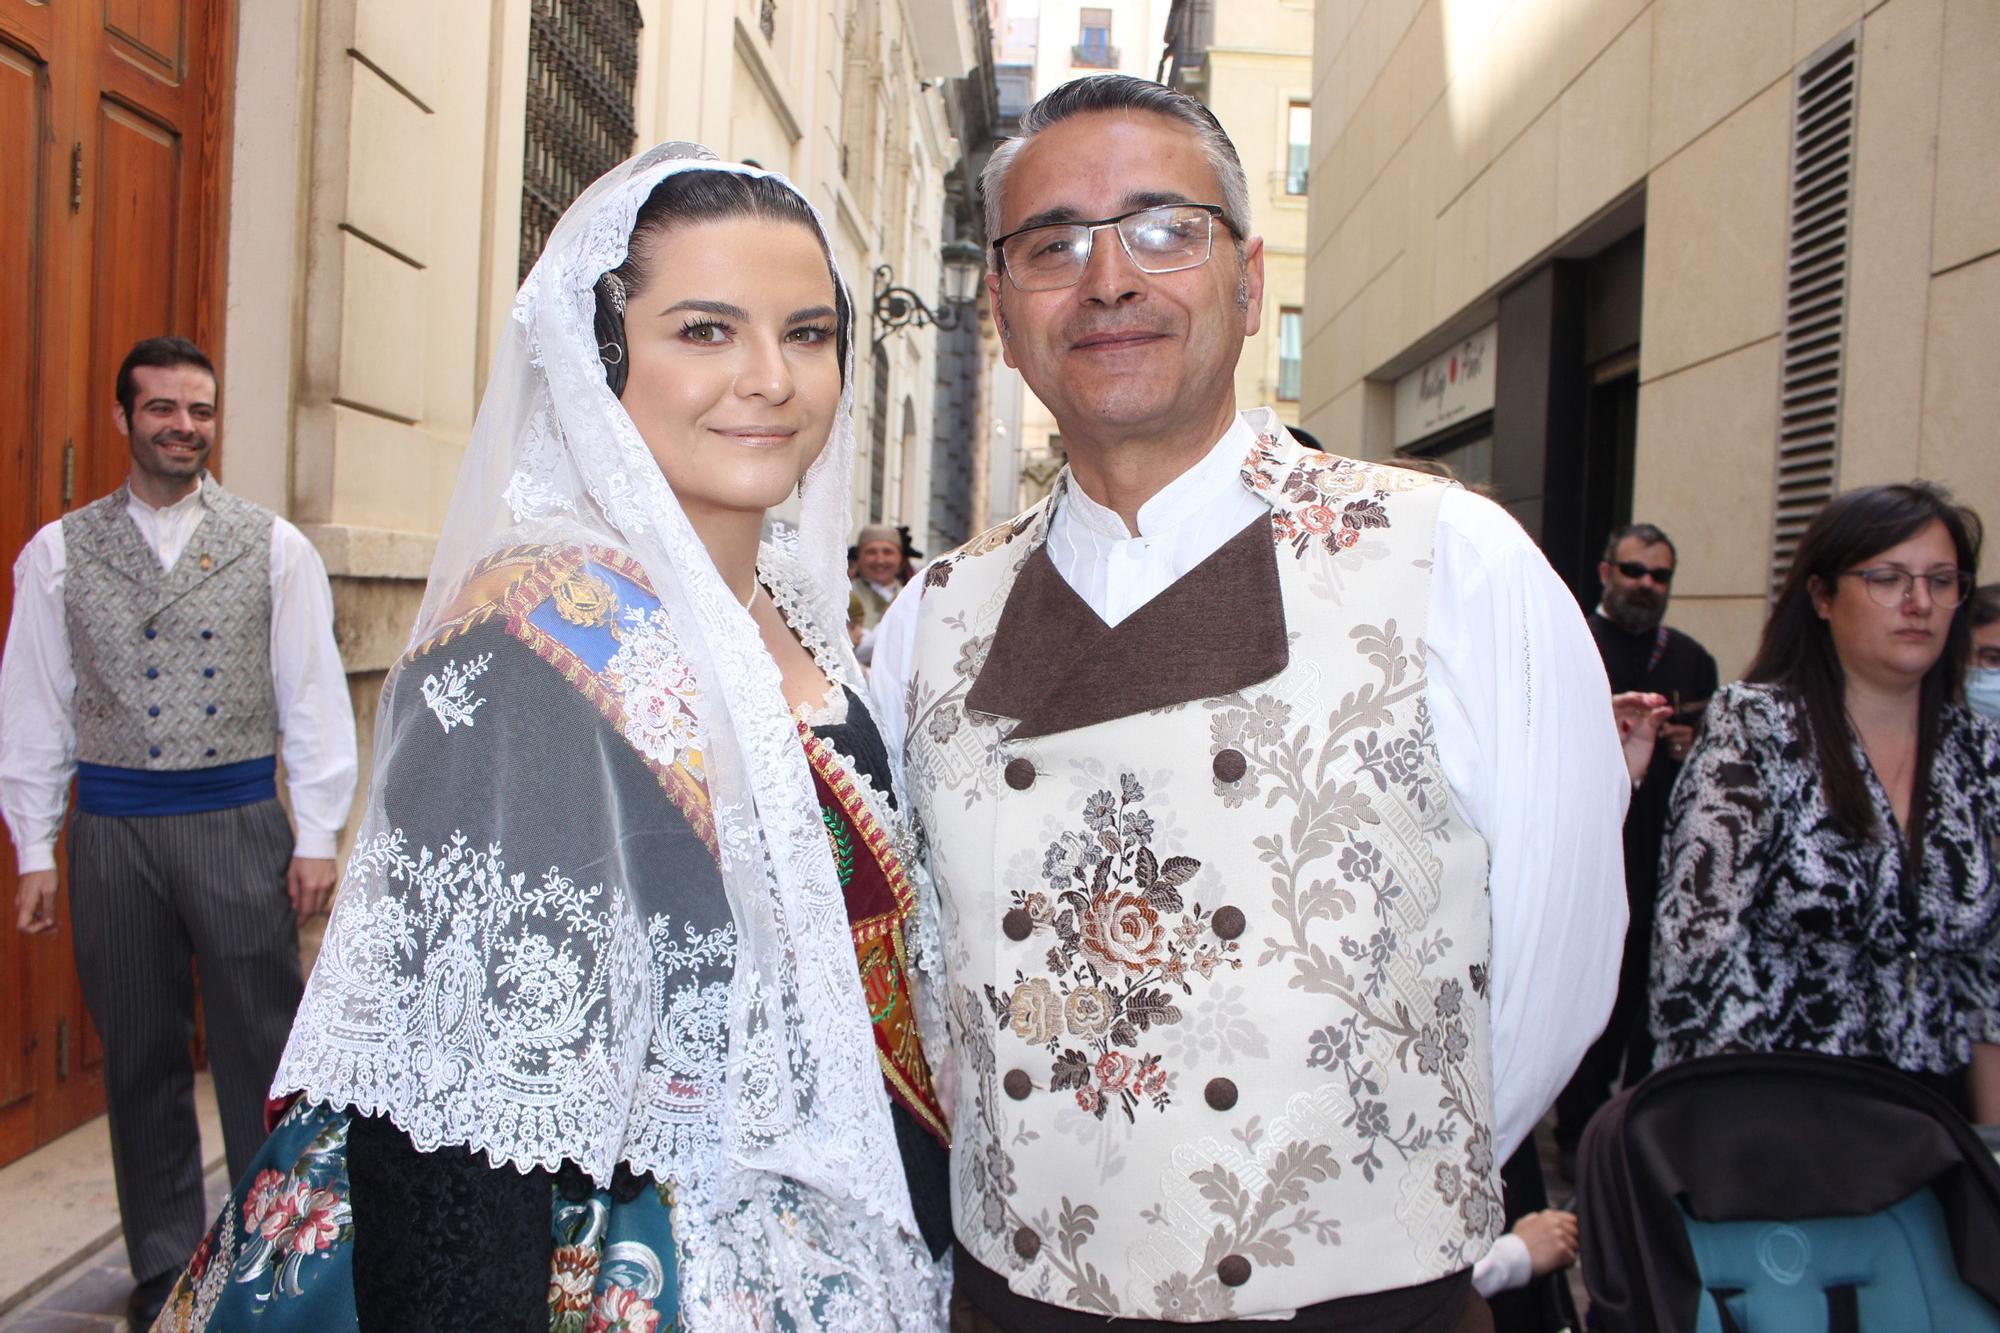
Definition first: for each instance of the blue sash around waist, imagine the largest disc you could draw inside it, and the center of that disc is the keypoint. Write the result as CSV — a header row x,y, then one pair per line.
x,y
104,790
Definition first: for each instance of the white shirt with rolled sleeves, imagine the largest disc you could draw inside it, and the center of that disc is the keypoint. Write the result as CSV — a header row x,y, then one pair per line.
x,y
1523,725
38,684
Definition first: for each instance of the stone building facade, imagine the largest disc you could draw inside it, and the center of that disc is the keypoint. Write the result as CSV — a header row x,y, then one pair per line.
x,y
1250,62
377,215
1695,262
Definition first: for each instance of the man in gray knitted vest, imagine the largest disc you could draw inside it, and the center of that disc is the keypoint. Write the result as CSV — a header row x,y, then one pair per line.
x,y
164,640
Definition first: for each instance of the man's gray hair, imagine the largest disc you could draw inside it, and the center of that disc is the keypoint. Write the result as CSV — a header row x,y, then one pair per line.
x,y
1122,92
1646,534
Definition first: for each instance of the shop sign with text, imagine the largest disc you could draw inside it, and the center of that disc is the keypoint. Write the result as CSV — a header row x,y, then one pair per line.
x,y
1453,386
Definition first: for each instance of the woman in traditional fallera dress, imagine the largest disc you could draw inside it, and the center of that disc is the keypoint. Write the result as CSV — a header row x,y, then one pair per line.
x,y
587,1045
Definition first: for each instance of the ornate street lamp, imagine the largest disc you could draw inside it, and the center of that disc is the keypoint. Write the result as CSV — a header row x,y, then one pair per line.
x,y
899,307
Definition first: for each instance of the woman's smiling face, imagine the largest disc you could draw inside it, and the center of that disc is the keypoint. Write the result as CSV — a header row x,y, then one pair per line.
x,y
734,376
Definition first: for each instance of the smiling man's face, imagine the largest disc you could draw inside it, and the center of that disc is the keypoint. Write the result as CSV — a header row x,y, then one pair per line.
x,y
171,429
1123,353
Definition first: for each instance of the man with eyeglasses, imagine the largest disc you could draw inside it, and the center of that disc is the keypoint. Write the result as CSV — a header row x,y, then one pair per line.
x,y
1641,652
1272,798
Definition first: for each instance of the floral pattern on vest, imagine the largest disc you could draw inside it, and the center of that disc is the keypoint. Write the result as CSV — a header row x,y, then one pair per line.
x,y
1219,961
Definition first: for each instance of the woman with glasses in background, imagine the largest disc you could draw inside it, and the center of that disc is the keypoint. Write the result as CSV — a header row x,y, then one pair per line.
x,y
1829,878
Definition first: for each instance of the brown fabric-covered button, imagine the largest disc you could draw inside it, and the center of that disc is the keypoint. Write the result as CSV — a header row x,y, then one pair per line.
x,y
1017,924
1018,1084
1227,923
1230,765
1027,1244
1020,774
1220,1094
1233,1271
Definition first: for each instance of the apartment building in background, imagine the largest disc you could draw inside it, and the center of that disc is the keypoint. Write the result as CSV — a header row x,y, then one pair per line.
x,y
1250,62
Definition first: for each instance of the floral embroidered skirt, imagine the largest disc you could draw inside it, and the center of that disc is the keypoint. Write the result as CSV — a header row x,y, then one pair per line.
x,y
279,1258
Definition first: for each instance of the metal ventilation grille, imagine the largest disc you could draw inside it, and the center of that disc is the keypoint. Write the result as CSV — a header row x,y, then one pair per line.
x,y
1823,120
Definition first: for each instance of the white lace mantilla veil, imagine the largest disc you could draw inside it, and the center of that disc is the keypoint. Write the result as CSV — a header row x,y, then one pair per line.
x,y
757,1097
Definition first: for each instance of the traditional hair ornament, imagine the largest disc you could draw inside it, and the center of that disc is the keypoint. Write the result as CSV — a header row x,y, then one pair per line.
x,y
611,353
614,286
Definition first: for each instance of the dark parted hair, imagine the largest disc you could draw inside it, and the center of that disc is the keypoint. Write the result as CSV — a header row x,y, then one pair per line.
x,y
697,195
1985,605
1123,92
1797,652
1648,535
161,353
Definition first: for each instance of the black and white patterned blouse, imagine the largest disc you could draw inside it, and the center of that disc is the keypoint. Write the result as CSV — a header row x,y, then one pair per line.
x,y
1775,931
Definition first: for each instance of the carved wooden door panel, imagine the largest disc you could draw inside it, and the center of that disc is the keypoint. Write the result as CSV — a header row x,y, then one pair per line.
x,y
114,119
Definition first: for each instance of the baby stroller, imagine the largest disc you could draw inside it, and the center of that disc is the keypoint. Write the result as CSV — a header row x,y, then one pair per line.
x,y
1787,1192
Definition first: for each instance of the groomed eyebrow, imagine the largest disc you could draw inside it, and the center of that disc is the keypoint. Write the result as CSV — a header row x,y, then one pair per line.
x,y
721,309
724,310
152,404
1132,202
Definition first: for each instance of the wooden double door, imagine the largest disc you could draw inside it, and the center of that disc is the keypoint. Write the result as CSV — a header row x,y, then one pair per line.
x,y
114,137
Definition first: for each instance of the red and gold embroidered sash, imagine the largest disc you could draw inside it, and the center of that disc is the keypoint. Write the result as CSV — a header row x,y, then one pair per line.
x,y
880,901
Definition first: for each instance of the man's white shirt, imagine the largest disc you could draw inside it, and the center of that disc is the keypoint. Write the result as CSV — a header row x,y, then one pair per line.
x,y
38,685
1522,718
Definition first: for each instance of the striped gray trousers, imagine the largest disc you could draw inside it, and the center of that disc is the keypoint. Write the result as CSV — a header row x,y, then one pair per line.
x,y
149,895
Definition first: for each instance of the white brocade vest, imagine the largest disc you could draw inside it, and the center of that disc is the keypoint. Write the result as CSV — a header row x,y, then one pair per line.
x,y
1219,938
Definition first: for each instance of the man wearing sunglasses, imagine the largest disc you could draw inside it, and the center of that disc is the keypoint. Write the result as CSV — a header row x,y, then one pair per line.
x,y
1272,798
1641,652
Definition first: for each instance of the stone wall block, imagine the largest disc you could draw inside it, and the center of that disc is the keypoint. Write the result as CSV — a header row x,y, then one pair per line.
x,y
1604,122
381,332
1590,26
1961,392
1386,325
1817,22
389,475
1710,57
1968,177
1728,627
1521,221
1889,261
1715,237
1460,257
401,40
389,169
1707,441
1347,359
1527,69
372,620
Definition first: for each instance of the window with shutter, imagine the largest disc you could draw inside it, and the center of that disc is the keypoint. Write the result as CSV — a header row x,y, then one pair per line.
x,y
583,63
1824,113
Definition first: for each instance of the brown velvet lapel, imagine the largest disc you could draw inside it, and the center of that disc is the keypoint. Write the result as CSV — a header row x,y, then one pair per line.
x,y
1056,666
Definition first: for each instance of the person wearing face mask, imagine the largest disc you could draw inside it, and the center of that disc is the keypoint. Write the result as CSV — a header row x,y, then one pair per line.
x,y
621,1018
1982,678
1641,653
1830,879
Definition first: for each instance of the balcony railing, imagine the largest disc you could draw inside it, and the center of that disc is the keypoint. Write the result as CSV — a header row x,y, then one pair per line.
x,y
1094,55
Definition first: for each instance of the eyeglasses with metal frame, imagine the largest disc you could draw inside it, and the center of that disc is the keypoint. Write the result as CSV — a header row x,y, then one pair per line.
x,y
1162,238
1890,586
